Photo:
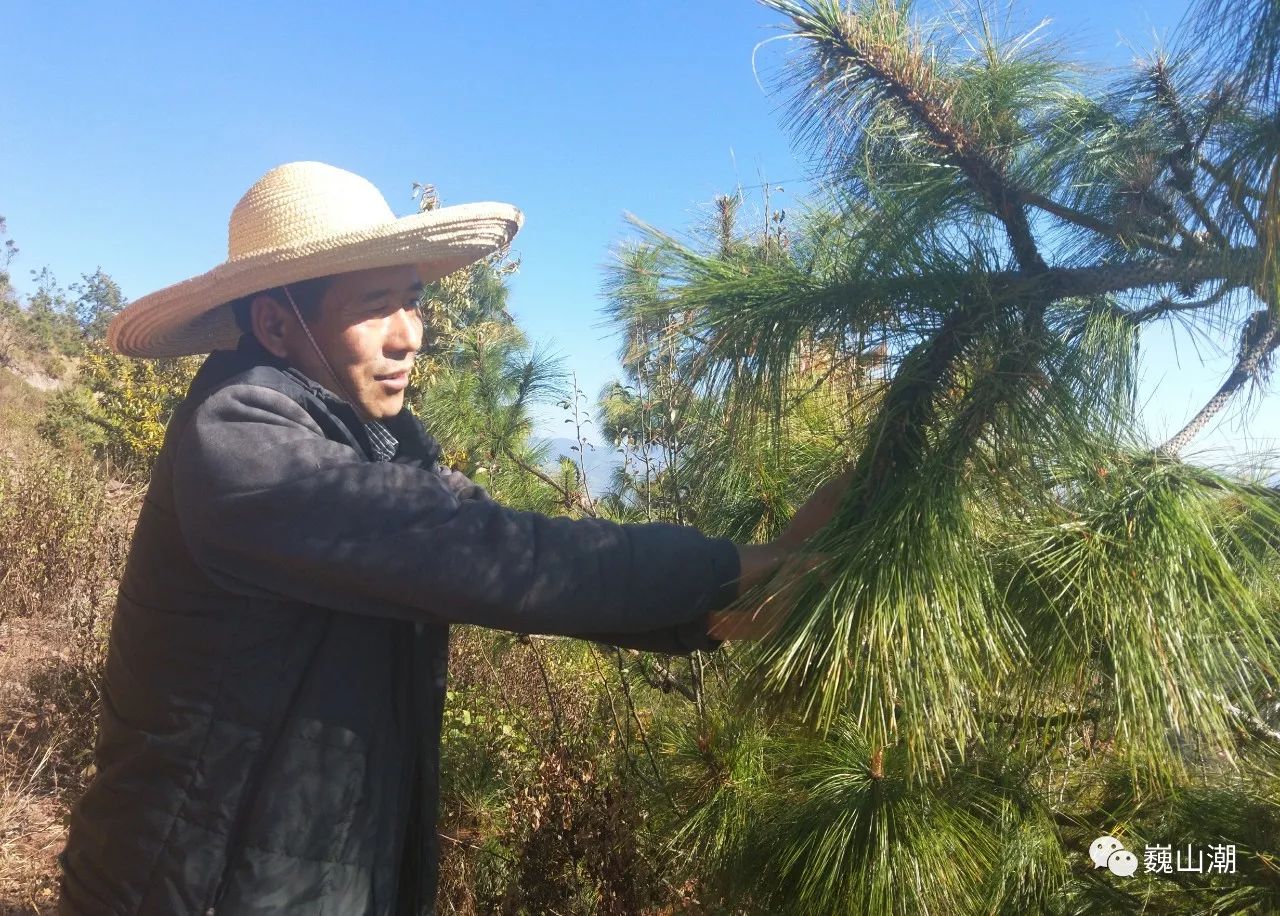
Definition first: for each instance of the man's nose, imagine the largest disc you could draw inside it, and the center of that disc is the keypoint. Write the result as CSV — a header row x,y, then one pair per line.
x,y
405,332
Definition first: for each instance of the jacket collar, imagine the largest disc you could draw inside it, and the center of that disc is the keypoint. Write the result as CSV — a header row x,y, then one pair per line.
x,y
400,438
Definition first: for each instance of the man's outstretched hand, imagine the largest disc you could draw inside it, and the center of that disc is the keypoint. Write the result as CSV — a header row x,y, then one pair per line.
x,y
817,511
786,577
783,563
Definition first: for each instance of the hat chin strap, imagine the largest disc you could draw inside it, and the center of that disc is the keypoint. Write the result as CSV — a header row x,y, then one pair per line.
x,y
345,393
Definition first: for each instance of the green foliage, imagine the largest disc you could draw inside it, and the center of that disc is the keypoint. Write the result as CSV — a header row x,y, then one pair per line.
x,y
476,385
1147,594
67,529
73,420
57,320
55,513
745,480
538,812
945,180
114,407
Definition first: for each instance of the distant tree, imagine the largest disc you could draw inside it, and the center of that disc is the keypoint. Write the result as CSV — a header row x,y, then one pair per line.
x,y
477,378
9,252
98,300
478,403
50,315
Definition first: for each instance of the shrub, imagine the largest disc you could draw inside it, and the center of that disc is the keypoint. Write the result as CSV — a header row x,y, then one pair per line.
x,y
120,406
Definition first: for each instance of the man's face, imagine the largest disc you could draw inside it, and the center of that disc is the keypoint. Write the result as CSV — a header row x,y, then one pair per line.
x,y
369,328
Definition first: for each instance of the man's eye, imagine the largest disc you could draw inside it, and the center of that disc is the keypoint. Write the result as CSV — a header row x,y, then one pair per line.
x,y
387,306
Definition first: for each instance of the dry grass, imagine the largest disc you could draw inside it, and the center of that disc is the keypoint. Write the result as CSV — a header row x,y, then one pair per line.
x,y
66,529
21,406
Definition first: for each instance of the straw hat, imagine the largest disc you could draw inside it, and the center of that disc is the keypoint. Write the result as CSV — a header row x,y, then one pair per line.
x,y
299,221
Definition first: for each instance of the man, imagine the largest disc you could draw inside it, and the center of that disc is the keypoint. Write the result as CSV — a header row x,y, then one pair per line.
x,y
273,692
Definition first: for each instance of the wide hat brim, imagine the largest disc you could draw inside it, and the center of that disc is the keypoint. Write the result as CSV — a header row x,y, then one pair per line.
x,y
195,316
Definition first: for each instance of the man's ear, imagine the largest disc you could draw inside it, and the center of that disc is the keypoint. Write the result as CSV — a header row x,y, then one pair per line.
x,y
270,321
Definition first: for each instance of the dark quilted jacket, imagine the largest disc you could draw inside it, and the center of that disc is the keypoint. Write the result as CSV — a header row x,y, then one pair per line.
x,y
272,700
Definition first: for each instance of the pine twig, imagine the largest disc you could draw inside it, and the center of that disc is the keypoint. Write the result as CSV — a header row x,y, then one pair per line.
x,y
617,725
644,736
1092,223
546,684
662,679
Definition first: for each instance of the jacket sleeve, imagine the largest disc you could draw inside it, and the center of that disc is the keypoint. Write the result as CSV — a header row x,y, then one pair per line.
x,y
268,506
675,640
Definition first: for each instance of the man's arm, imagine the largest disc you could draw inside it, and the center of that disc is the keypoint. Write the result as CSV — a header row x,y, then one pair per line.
x,y
677,640
269,506
756,563
787,558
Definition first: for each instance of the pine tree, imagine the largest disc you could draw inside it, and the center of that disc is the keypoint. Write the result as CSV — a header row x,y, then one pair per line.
x,y
1034,626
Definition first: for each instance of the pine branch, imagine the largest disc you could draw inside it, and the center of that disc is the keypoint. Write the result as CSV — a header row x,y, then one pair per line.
x,y
1102,227
1237,266
661,679
1179,162
1253,725
898,443
565,495
746,314
1091,714
875,46
991,391
1167,305
1234,268
1262,336
1237,190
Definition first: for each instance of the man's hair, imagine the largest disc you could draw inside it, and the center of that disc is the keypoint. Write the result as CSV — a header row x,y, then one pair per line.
x,y
307,293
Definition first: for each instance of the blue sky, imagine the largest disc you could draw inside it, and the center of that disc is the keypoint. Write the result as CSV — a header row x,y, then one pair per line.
x,y
132,129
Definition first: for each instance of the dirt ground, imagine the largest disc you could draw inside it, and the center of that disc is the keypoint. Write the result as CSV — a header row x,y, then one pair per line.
x,y
34,795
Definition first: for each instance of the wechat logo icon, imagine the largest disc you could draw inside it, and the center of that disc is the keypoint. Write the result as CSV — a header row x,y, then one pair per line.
x,y
1108,852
